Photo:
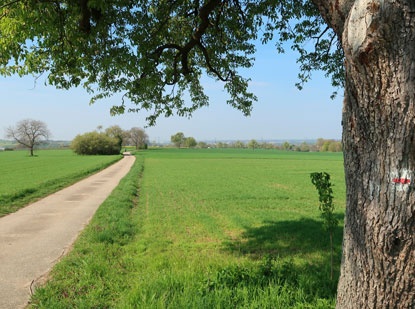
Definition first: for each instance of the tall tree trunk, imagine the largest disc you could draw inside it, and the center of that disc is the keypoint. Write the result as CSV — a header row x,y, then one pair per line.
x,y
378,263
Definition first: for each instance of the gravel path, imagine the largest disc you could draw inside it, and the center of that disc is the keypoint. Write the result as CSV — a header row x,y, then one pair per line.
x,y
34,238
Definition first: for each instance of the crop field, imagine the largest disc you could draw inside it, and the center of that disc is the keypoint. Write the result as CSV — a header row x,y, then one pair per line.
x,y
209,228
4,143
24,179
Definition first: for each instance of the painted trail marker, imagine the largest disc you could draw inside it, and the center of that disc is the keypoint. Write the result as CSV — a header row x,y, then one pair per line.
x,y
401,180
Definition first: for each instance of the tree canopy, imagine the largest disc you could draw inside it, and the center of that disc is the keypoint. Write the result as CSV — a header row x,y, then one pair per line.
x,y
190,142
178,139
95,143
252,144
153,52
118,133
138,137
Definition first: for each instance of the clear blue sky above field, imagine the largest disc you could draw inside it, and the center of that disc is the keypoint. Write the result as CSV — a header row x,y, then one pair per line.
x,y
282,111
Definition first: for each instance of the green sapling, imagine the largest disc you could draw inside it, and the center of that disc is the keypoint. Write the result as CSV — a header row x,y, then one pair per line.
x,y
322,183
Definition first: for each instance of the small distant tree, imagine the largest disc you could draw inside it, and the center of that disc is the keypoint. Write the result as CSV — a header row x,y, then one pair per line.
x,y
270,146
238,144
202,145
29,133
339,147
304,147
325,146
320,142
138,138
190,142
253,144
178,139
265,145
323,185
332,147
286,146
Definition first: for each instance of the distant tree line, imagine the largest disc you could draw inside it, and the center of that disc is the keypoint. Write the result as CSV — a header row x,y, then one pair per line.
x,y
321,145
179,140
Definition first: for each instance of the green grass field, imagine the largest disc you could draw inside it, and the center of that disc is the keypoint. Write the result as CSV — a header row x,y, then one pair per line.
x,y
25,179
210,229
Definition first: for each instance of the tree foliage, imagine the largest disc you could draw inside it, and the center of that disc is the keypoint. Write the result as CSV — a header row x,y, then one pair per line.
x,y
202,145
118,133
190,142
95,143
29,133
238,144
252,144
178,139
152,52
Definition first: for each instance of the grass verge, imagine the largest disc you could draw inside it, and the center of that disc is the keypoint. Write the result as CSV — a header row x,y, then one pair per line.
x,y
98,268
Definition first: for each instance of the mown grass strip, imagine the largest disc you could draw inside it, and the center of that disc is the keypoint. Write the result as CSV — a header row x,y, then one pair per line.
x,y
11,202
97,270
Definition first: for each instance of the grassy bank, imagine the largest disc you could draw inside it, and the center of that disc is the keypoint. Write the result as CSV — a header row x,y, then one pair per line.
x,y
211,229
25,179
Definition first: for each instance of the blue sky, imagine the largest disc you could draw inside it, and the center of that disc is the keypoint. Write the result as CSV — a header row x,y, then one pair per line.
x,y
282,111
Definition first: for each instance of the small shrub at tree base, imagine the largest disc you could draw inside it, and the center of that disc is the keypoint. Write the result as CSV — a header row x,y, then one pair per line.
x,y
94,143
322,183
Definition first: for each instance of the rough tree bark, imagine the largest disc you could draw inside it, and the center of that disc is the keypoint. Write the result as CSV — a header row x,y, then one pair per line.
x,y
378,263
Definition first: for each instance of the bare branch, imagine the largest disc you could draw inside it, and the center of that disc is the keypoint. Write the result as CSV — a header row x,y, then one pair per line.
x,y
321,35
175,72
241,12
160,49
183,51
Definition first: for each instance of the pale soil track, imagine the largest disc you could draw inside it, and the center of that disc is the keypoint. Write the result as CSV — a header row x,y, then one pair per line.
x,y
34,238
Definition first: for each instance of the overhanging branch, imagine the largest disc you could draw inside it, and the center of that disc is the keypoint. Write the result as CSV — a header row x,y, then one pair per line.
x,y
208,64
183,51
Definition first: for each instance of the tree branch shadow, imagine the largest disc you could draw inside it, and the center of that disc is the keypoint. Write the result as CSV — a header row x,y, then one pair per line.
x,y
286,238
303,241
